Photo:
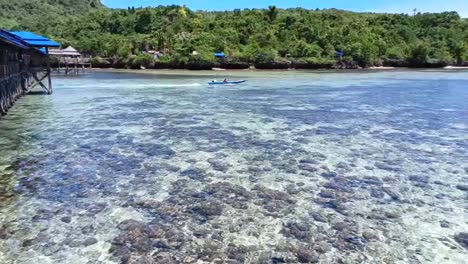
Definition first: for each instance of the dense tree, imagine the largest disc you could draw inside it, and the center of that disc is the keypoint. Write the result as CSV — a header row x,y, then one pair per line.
x,y
251,35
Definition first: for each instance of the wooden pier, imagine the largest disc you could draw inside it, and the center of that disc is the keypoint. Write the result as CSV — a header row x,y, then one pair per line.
x,y
24,64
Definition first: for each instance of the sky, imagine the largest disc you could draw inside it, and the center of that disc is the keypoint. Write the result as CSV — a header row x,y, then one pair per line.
x,y
387,6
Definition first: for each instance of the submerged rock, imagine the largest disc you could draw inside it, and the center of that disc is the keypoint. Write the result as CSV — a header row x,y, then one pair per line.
x,y
329,174
392,214
419,180
208,209
90,241
369,235
377,193
387,167
292,189
194,174
218,165
72,242
462,239
274,202
66,219
28,242
3,233
319,217
355,240
164,257
88,229
392,193
337,205
342,165
308,161
444,224
237,252
140,260
277,260
306,255
327,194
51,248
341,226
134,236
372,180
234,195
300,231
308,167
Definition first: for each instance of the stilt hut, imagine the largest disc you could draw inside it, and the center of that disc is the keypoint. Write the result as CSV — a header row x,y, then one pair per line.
x,y
24,64
70,59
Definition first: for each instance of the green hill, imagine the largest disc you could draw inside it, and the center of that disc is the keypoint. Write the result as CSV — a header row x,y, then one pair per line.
x,y
259,36
41,15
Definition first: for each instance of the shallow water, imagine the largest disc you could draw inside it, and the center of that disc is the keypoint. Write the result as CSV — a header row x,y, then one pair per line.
x,y
290,167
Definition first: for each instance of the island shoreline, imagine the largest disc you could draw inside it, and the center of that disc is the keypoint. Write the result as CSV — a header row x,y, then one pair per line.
x,y
249,71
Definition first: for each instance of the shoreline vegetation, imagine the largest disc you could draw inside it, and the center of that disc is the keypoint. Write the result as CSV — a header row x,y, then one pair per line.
x,y
175,37
268,73
100,63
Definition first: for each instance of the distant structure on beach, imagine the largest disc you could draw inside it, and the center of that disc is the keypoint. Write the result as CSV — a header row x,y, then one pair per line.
x,y
156,54
69,60
220,56
24,64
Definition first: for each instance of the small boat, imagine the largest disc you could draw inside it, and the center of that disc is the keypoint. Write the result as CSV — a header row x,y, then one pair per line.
x,y
226,82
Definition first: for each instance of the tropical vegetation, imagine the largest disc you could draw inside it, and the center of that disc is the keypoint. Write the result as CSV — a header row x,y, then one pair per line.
x,y
260,36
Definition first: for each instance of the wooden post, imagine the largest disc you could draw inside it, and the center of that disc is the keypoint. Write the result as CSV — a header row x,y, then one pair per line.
x,y
48,72
76,66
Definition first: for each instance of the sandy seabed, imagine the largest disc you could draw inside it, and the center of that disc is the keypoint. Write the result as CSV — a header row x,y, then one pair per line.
x,y
292,167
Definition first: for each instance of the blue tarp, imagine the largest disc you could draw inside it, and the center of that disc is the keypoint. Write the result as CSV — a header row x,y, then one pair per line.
x,y
219,54
340,53
34,40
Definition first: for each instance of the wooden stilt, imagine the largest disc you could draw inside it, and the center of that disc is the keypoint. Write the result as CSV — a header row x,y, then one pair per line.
x,y
48,72
38,81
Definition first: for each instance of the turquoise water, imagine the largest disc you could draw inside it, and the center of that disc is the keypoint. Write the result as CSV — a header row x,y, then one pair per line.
x,y
290,167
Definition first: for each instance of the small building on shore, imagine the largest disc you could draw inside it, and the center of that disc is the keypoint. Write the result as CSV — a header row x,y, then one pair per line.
x,y
68,52
68,60
24,64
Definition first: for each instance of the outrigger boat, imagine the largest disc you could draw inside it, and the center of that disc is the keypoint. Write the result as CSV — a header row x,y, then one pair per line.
x,y
226,82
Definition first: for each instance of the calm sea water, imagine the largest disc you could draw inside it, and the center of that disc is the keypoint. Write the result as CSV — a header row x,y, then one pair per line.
x,y
290,167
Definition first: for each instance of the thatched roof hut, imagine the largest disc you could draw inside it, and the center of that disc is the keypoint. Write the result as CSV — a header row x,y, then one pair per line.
x,y
68,52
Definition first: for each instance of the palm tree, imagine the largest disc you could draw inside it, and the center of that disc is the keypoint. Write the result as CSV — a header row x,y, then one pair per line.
x,y
272,13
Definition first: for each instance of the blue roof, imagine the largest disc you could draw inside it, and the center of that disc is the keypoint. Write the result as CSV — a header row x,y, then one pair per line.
x,y
12,39
34,40
219,54
340,53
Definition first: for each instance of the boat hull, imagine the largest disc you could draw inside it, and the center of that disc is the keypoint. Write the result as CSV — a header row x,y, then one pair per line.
x,y
227,83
